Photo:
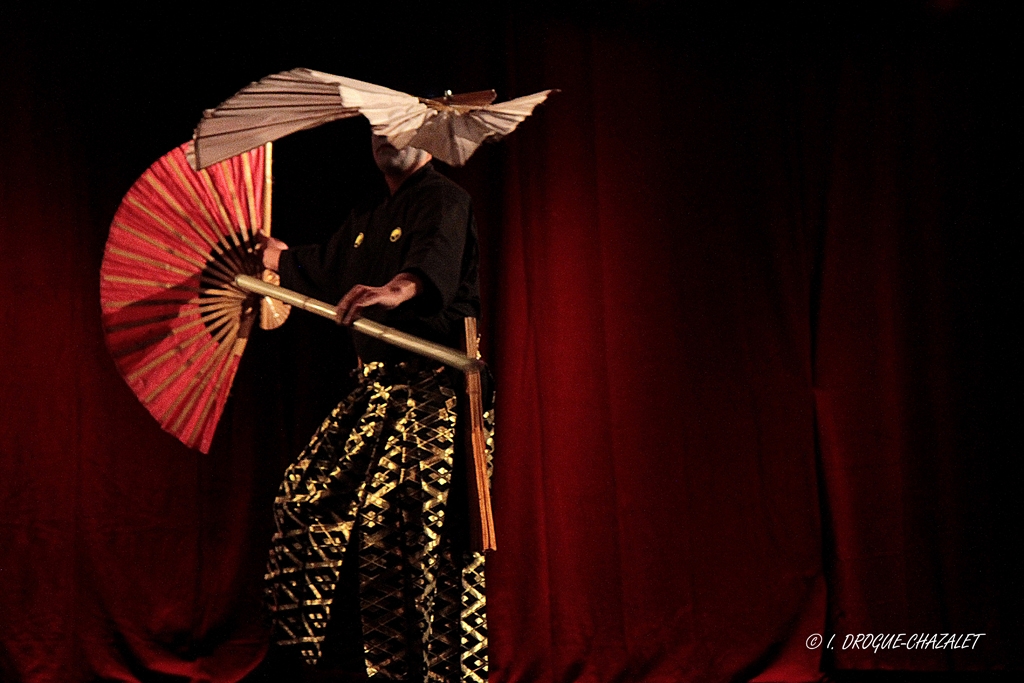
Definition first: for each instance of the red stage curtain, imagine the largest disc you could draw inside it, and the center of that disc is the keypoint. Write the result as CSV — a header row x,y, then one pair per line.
x,y
741,357
742,291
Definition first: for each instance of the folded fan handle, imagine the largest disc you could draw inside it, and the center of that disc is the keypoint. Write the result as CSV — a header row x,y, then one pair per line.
x,y
481,518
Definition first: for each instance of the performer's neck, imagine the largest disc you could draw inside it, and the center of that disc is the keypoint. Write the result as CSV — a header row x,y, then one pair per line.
x,y
395,180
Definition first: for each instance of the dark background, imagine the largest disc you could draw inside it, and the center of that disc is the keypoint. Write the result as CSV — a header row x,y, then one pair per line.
x,y
748,284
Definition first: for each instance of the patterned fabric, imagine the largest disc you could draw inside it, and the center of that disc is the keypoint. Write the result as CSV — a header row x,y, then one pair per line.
x,y
381,464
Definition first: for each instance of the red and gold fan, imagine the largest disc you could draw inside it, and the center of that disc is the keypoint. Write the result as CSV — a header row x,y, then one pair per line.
x,y
178,291
174,319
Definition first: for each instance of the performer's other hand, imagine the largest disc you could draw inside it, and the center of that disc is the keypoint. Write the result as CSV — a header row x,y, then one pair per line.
x,y
400,289
272,248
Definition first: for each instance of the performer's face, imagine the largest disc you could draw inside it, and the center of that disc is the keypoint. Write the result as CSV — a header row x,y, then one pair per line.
x,y
394,161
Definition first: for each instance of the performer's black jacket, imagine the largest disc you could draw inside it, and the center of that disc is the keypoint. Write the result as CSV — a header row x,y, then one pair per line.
x,y
425,228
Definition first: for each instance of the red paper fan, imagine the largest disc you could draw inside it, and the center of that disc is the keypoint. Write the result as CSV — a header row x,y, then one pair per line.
x,y
174,320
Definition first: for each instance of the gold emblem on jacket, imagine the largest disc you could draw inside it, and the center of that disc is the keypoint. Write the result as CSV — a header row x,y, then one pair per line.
x,y
395,234
359,240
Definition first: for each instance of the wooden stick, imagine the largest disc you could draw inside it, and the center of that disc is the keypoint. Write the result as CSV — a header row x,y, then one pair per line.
x,y
268,185
481,518
389,335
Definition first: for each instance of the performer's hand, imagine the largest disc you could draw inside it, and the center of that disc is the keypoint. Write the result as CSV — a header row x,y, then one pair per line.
x,y
272,248
402,287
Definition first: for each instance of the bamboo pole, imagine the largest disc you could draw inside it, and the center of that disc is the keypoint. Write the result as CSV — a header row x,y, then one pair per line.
x,y
442,354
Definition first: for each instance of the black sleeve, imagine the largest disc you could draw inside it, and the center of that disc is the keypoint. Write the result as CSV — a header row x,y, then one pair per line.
x,y
439,221
313,269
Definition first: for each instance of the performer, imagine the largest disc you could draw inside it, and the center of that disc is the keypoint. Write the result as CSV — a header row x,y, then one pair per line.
x,y
371,539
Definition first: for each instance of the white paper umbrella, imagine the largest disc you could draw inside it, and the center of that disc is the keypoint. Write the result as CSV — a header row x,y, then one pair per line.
x,y
451,127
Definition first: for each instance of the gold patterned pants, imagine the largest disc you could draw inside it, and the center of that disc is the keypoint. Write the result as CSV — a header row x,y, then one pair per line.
x,y
379,470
